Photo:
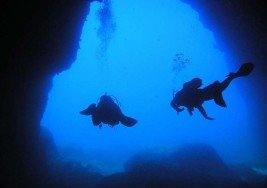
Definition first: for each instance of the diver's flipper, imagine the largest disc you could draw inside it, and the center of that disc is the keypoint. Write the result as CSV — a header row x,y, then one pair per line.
x,y
128,121
89,111
218,99
245,69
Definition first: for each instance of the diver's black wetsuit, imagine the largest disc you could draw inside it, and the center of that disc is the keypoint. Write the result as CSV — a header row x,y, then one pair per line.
x,y
107,112
192,97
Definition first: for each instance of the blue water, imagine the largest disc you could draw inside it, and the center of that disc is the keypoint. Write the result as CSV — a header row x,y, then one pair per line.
x,y
130,55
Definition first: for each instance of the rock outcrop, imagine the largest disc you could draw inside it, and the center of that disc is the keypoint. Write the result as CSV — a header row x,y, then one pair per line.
x,y
193,165
39,39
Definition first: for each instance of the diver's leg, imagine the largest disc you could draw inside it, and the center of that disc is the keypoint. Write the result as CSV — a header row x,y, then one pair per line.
x,y
224,84
244,70
203,112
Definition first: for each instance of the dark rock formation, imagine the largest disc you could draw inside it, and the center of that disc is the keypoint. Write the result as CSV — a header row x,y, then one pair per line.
x,y
194,165
249,174
198,159
40,39
72,174
239,27
48,145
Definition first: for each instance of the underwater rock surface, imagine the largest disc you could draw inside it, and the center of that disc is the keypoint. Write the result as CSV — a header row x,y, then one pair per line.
x,y
48,144
193,165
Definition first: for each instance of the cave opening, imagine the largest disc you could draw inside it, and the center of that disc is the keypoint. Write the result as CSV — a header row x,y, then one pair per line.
x,y
140,52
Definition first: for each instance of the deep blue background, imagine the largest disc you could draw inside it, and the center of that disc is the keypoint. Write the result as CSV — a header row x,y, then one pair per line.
x,y
131,56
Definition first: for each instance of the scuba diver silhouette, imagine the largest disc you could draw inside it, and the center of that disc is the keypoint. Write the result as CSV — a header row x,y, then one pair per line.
x,y
191,96
107,112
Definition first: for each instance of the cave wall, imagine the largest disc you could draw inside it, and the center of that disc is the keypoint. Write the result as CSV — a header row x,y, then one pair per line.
x,y
239,27
41,38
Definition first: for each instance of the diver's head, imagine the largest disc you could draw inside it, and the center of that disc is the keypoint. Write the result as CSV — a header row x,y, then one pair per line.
x,y
105,98
196,82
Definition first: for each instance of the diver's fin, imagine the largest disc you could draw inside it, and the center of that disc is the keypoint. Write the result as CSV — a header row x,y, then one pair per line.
x,y
245,69
128,121
89,111
219,100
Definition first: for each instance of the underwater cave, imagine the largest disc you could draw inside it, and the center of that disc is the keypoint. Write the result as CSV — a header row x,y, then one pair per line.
x,y
140,58
140,53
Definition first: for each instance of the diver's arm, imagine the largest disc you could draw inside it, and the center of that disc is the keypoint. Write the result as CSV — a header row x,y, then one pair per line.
x,y
203,112
175,106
